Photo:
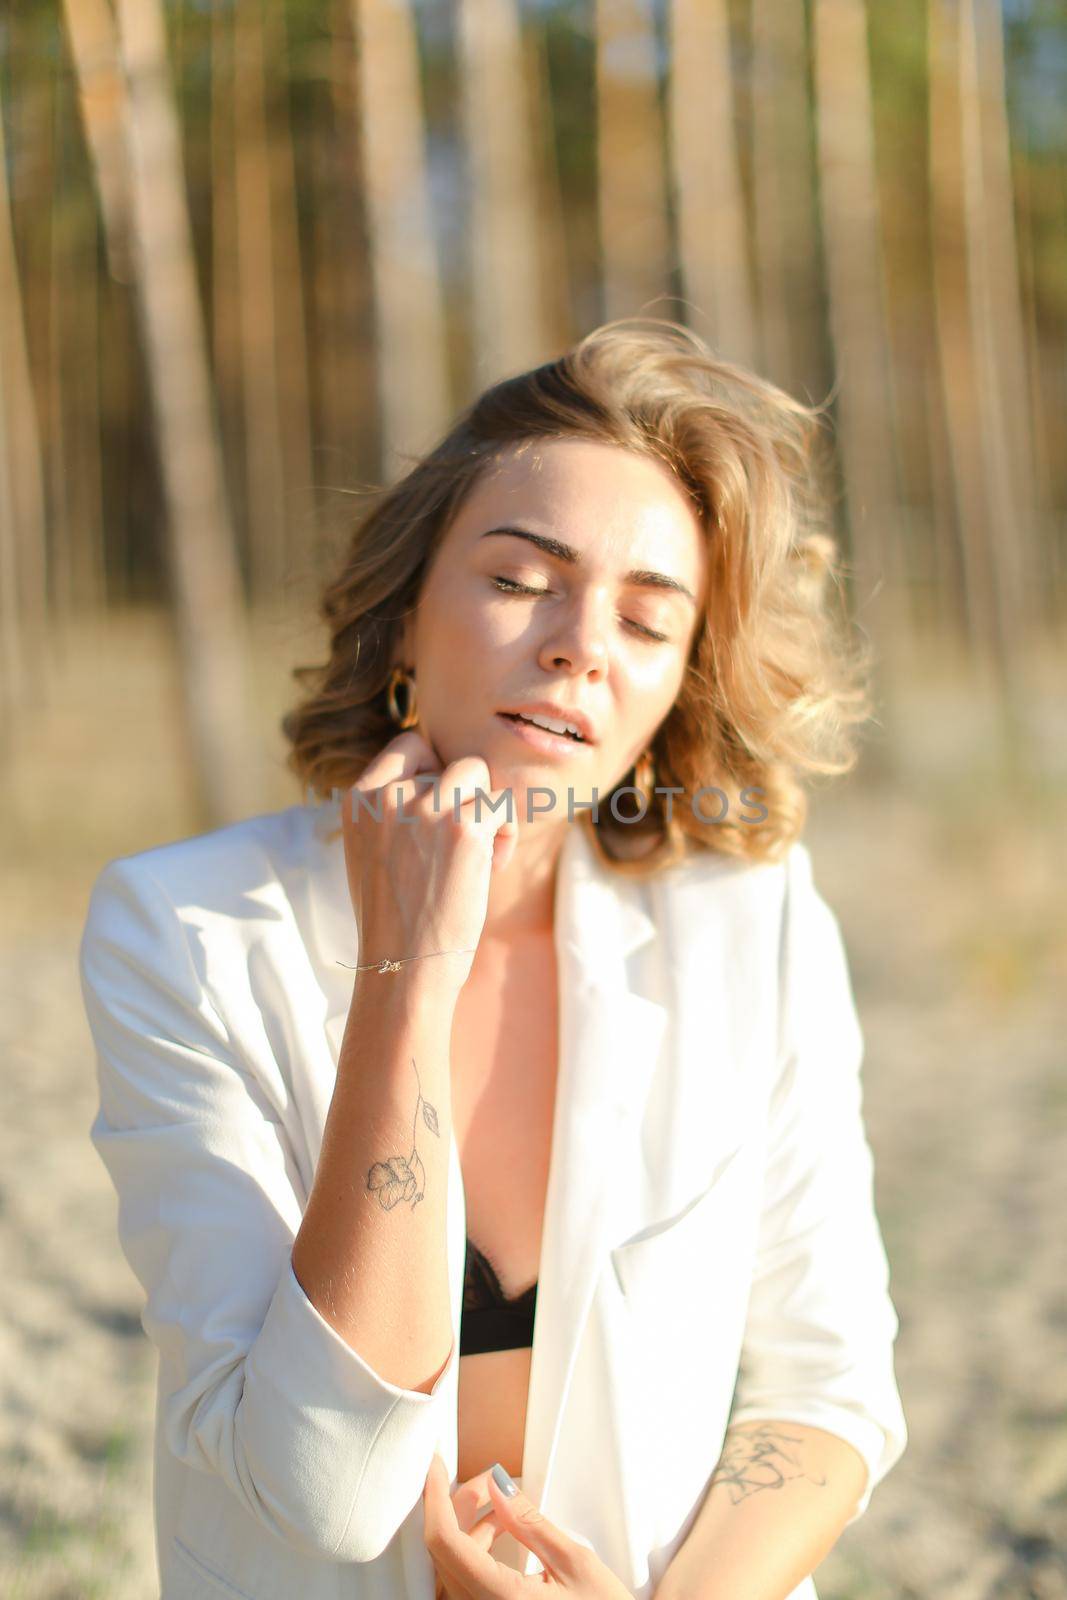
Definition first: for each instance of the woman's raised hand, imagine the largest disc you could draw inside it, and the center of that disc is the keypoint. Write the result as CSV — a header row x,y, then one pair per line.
x,y
419,873
459,1540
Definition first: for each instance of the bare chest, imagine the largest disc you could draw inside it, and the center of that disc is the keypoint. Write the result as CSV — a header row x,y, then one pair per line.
x,y
504,1061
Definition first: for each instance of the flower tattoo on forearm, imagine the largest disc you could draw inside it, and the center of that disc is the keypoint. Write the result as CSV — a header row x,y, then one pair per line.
x,y
404,1177
760,1455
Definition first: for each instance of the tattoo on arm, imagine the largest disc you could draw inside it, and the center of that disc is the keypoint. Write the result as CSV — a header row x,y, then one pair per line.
x,y
760,1455
404,1177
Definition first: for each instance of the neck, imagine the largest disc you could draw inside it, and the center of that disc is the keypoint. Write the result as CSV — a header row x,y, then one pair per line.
x,y
522,896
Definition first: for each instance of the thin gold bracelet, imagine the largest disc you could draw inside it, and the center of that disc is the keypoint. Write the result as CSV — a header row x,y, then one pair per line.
x,y
394,966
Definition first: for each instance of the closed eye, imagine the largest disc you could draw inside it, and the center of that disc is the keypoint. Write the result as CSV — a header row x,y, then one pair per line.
x,y
512,586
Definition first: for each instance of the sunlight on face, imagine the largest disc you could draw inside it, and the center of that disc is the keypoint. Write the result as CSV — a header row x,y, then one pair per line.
x,y
504,622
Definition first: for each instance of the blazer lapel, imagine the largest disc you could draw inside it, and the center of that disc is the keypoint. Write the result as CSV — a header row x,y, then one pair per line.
x,y
609,1042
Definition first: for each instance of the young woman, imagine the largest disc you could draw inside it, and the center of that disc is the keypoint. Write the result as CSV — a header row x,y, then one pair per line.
x,y
499,1107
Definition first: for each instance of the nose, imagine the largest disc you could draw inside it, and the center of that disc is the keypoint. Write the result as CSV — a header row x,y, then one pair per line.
x,y
578,637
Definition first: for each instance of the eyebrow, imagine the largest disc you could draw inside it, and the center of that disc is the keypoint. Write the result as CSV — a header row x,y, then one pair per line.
x,y
639,577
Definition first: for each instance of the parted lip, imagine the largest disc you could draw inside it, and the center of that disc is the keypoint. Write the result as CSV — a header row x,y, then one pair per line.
x,y
545,708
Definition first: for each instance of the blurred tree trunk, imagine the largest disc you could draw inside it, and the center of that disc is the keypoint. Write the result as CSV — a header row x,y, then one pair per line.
x,y
709,202
225,276
957,372
506,266
94,51
631,189
341,302
946,620
45,312
207,593
925,515
967,343
548,202
853,251
1043,447
291,333
786,245
996,314
970,268
14,669
78,580
78,478
265,488
23,569
413,380
94,54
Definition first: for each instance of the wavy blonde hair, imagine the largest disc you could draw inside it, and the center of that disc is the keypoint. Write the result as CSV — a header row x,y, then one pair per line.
x,y
776,684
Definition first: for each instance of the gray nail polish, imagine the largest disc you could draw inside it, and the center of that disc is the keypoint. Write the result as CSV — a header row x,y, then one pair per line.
x,y
503,1480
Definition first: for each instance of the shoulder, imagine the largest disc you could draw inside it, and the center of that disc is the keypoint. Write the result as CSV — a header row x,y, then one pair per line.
x,y
201,939
196,906
743,896
217,869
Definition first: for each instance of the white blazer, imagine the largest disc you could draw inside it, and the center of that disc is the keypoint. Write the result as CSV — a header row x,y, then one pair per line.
x,y
710,1238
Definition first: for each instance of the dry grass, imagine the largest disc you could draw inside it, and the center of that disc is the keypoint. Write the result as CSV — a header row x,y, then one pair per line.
x,y
948,887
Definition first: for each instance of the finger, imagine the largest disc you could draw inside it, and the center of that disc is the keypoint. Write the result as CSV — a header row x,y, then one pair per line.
x,y
466,797
493,813
471,1502
471,1571
485,1532
401,758
475,1513
437,1508
454,792
505,844
439,1522
448,1591
558,1553
404,758
460,785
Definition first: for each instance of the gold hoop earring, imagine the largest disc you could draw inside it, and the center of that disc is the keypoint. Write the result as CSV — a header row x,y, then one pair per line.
x,y
645,776
410,716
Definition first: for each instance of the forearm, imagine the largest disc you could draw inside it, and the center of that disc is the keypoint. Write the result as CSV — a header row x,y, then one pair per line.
x,y
776,1505
371,1257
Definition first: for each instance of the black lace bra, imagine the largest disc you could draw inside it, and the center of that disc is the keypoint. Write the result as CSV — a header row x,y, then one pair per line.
x,y
489,1320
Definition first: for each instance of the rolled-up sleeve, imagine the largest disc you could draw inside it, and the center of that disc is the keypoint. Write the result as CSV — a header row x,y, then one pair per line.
x,y
818,1345
256,1385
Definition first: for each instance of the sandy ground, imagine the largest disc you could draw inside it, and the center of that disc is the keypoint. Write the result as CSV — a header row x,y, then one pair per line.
x,y
948,885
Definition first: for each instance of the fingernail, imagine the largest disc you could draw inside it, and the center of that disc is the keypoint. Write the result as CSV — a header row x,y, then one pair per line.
x,y
503,1480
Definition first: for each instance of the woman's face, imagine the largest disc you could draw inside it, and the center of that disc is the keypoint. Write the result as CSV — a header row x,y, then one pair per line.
x,y
591,603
